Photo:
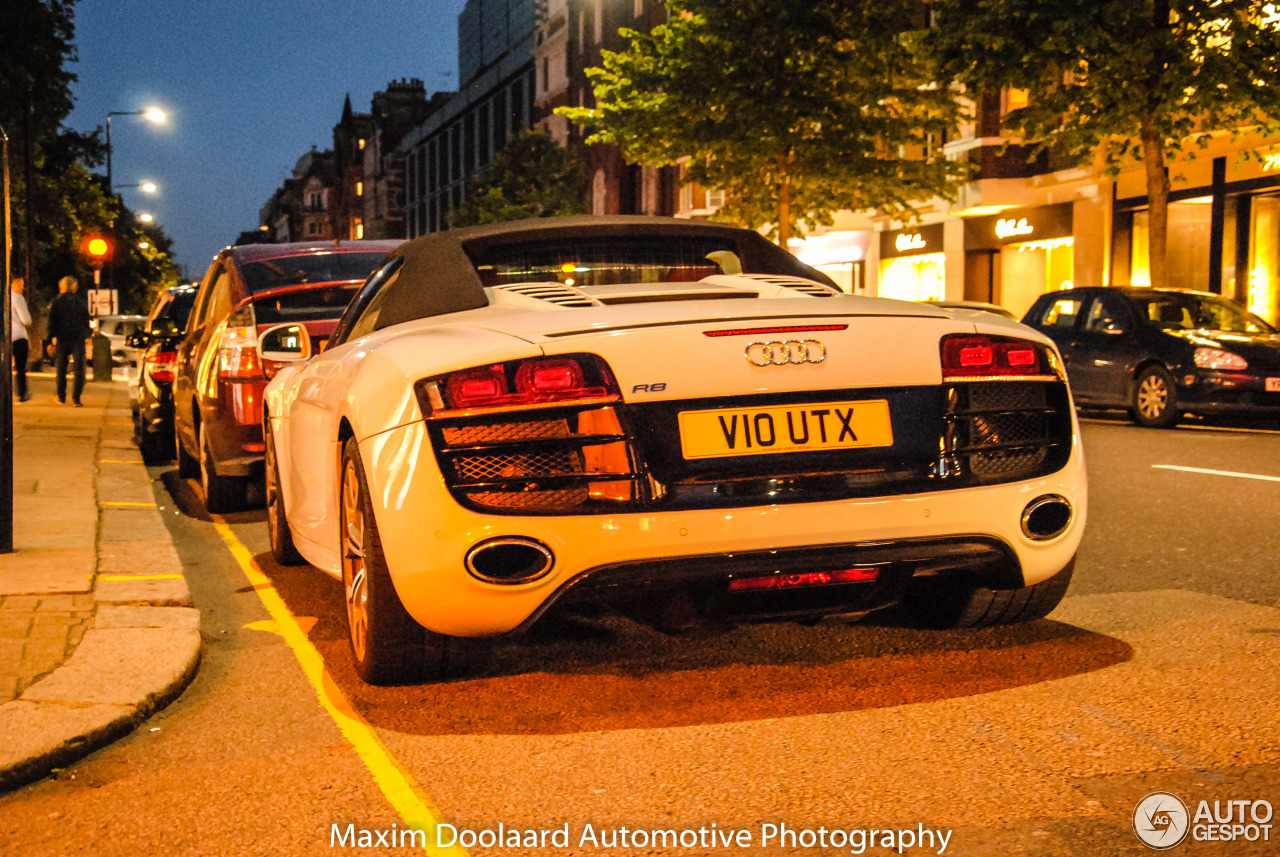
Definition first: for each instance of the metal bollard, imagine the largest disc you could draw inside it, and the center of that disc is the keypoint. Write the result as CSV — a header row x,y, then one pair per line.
x,y
101,357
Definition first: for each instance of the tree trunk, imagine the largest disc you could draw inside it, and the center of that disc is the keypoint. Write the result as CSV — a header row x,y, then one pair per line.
x,y
784,202
1158,197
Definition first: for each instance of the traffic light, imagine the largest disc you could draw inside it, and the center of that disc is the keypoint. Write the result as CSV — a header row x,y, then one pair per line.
x,y
97,249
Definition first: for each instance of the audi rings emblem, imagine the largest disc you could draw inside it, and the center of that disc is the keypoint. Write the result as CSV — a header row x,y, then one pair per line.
x,y
786,353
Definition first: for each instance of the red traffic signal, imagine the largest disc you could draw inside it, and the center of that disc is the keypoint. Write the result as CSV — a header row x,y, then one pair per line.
x,y
97,248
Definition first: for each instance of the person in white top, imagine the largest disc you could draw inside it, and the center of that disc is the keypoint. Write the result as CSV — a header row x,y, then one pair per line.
x,y
21,318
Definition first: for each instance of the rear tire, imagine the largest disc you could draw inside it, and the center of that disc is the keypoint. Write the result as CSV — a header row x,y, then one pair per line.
x,y
188,466
1155,399
954,602
222,494
282,547
388,646
153,446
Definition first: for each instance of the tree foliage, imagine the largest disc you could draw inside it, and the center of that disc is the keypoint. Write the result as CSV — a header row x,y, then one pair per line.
x,y
1132,81
531,176
795,109
56,200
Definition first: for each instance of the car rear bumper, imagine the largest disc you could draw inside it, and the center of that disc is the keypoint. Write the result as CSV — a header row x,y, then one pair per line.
x,y
427,535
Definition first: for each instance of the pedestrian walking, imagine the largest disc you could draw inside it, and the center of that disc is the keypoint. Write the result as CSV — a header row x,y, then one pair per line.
x,y
21,318
69,327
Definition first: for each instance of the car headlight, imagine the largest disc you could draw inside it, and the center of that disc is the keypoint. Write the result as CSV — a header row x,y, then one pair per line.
x,y
1216,358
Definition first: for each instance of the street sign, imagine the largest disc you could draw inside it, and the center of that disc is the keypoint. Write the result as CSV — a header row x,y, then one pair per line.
x,y
103,302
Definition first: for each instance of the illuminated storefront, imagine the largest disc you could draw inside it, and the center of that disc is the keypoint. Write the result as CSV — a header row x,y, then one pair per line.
x,y
1224,236
841,255
1013,257
912,264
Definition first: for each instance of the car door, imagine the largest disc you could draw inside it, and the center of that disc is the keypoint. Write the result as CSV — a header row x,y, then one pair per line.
x,y
311,433
194,350
1104,349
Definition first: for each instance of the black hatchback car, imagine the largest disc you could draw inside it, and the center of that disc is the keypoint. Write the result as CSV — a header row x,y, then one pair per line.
x,y
1162,353
153,397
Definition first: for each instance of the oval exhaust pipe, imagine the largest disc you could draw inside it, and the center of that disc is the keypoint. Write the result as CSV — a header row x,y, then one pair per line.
x,y
1047,517
509,560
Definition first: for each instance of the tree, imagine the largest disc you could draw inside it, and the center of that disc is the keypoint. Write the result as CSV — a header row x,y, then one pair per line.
x,y
795,109
57,200
531,176
1130,81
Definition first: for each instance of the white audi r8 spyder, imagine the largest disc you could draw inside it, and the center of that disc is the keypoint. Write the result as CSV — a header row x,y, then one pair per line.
x,y
675,419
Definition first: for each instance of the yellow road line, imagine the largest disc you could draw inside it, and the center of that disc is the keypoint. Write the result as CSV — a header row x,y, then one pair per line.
x,y
116,461
140,577
397,784
122,503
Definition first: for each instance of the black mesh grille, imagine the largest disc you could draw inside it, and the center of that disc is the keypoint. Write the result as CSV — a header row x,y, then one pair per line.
x,y
628,457
537,465
1004,430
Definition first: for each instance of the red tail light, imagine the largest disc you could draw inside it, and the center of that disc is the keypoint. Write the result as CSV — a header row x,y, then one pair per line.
x,y
808,578
537,382
238,354
965,356
160,366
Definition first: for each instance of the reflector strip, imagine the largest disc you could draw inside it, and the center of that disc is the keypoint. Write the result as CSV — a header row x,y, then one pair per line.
x,y
808,578
760,331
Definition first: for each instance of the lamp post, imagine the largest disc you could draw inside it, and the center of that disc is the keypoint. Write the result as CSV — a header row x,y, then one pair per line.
x,y
151,114
6,357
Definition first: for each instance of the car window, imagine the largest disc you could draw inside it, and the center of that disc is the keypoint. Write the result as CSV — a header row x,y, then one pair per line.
x,y
604,260
1107,313
201,313
358,311
365,324
311,268
1062,313
305,305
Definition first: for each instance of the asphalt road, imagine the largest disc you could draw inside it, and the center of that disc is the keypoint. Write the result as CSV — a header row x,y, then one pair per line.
x,y
1159,672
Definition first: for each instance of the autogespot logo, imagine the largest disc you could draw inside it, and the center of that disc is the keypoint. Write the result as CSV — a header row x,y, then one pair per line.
x,y
1161,820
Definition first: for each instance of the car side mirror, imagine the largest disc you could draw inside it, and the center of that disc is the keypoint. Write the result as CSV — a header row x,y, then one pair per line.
x,y
281,345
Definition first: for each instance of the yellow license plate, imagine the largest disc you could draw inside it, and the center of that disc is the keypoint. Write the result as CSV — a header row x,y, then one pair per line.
x,y
776,429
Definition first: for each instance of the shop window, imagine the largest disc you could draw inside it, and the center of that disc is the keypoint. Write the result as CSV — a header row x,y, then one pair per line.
x,y
1031,269
1264,259
1188,241
914,278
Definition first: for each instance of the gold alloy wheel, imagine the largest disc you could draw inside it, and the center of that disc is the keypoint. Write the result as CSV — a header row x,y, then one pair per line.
x,y
1153,397
355,574
271,490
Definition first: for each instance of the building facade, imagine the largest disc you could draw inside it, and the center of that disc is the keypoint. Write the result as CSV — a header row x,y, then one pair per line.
x,y
613,186
495,101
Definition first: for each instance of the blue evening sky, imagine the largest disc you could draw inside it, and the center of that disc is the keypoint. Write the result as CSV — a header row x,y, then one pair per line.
x,y
251,85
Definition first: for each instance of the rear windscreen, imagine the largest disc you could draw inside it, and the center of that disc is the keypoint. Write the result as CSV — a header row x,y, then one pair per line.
x,y
600,260
180,307
311,268
305,305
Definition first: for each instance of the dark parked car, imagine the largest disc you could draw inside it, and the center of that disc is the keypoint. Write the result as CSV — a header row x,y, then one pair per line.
x,y
219,376
153,392
1162,353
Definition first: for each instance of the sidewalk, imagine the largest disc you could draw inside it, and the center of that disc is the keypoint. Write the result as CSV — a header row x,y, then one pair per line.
x,y
97,630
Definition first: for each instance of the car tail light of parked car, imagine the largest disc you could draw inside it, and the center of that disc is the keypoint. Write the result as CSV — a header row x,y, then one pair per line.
x,y
159,367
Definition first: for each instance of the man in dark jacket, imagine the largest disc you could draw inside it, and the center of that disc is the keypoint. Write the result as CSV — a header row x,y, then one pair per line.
x,y
69,328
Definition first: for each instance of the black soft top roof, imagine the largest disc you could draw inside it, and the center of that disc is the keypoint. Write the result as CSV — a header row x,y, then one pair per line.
x,y
439,271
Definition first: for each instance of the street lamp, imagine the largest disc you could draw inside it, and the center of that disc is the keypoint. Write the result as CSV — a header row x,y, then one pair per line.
x,y
144,217
151,114
145,187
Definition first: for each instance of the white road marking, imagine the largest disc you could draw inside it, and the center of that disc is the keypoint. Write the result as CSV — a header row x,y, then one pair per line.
x,y
1217,472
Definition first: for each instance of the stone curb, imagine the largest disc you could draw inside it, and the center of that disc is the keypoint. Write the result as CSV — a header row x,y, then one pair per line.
x,y
141,652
